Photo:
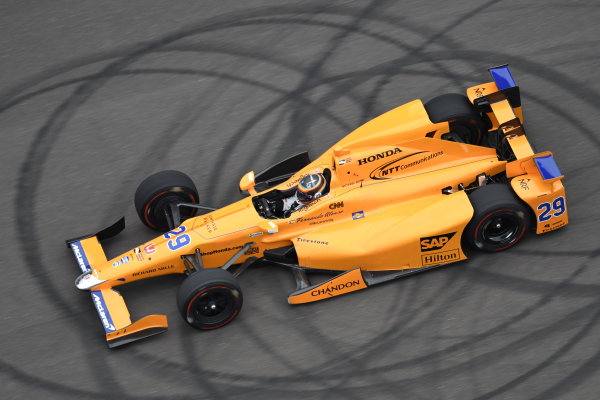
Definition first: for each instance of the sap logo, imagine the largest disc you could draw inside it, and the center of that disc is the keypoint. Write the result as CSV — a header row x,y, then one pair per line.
x,y
104,316
435,242
339,204
379,156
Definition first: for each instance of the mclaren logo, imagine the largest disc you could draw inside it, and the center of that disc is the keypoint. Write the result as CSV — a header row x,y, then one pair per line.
x,y
79,257
431,243
338,204
379,156
103,315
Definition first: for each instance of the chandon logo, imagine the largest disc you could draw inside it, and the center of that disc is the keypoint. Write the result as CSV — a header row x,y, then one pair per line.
x,y
388,169
330,290
379,156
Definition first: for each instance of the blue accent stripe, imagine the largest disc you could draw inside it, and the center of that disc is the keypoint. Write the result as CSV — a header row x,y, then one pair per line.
x,y
80,256
503,77
547,167
100,305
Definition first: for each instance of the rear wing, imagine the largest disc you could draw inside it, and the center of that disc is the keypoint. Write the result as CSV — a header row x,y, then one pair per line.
x,y
109,304
535,178
500,101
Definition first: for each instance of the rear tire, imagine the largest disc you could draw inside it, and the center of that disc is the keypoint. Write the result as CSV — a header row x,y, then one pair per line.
x,y
500,219
455,108
156,194
209,299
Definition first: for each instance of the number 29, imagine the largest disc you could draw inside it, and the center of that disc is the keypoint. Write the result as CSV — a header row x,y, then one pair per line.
x,y
554,209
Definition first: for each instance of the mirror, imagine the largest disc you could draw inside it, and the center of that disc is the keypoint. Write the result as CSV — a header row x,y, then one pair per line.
x,y
247,183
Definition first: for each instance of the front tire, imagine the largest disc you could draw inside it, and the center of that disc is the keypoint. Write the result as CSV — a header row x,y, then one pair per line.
x,y
500,219
209,299
156,193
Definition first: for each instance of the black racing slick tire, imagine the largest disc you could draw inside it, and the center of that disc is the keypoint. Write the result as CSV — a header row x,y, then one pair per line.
x,y
500,219
156,194
209,299
462,118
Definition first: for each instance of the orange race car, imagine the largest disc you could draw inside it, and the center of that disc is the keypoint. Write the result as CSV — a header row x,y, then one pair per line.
x,y
408,191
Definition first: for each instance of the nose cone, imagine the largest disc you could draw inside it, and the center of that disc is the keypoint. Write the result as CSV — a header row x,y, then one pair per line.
x,y
87,281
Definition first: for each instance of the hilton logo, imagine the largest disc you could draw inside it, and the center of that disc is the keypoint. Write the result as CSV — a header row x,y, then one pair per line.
x,y
443,257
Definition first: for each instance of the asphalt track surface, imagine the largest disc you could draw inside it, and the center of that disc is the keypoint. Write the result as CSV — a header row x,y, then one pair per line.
x,y
96,95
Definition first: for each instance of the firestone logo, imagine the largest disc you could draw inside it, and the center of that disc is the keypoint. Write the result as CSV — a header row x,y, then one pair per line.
x,y
103,317
379,156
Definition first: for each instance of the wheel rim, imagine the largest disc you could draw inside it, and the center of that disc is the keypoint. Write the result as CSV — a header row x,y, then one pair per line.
x,y
501,229
212,307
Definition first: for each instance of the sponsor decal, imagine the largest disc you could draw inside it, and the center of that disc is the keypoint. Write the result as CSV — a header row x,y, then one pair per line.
x,y
139,257
390,168
331,289
255,234
116,263
556,225
479,91
379,156
149,271
137,250
440,257
312,241
352,183
149,248
328,214
295,181
345,161
125,260
82,260
252,250
358,215
322,221
335,205
311,204
524,183
103,311
431,243
210,253
210,224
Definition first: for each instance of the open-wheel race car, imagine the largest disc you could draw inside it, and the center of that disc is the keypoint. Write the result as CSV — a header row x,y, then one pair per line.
x,y
408,191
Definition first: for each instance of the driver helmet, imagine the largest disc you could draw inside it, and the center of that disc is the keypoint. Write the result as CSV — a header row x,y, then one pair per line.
x,y
310,187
